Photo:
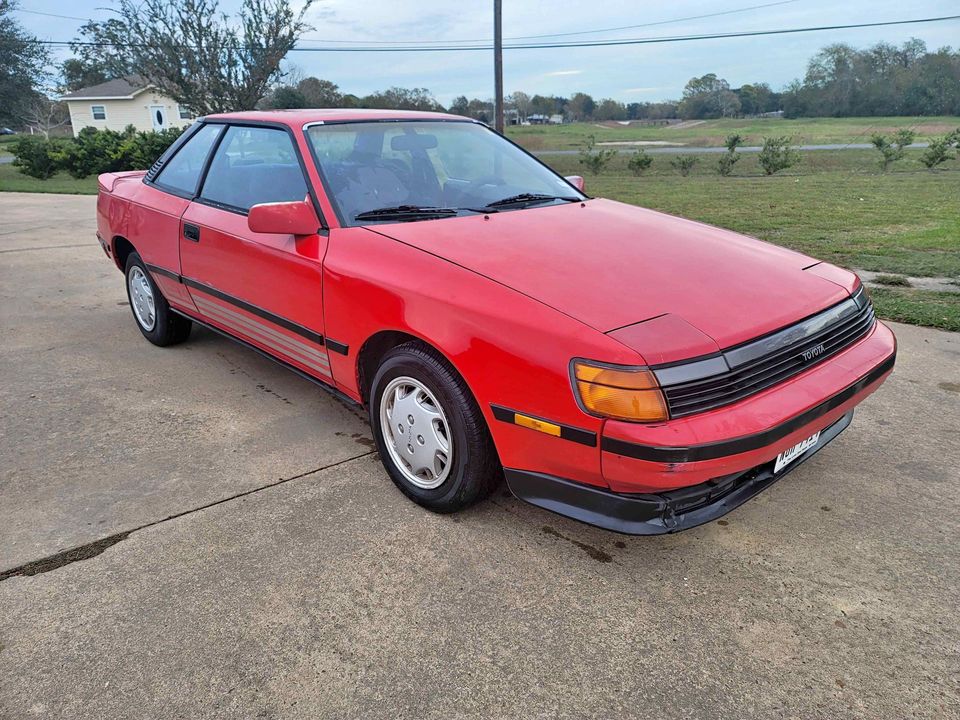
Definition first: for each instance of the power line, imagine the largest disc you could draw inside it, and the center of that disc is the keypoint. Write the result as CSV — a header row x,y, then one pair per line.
x,y
46,14
544,46
487,40
553,35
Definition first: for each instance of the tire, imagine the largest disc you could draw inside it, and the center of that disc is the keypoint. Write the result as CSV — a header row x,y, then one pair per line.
x,y
472,471
151,311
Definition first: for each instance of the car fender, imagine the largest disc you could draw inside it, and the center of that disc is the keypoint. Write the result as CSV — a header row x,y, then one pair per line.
x,y
512,351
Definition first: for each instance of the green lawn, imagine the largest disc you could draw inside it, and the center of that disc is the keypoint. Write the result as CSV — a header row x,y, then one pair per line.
x,y
12,180
918,307
806,131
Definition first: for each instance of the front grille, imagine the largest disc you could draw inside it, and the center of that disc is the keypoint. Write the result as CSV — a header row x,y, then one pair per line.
x,y
759,364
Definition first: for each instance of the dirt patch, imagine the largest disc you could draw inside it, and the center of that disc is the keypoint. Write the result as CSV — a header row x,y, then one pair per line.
x,y
931,128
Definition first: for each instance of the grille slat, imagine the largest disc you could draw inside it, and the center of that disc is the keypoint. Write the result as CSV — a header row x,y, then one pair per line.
x,y
694,387
759,374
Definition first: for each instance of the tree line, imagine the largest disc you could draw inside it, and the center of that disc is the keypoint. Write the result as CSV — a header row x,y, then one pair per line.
x,y
209,62
840,81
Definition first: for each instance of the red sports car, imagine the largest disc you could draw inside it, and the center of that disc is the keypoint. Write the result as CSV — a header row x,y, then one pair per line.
x,y
630,369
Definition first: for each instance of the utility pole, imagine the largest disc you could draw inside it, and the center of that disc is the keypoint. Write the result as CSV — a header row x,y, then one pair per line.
x,y
498,65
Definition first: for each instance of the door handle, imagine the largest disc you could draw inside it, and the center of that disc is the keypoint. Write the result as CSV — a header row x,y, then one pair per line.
x,y
191,232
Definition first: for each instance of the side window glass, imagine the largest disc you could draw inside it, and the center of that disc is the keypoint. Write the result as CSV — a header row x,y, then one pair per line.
x,y
254,165
182,171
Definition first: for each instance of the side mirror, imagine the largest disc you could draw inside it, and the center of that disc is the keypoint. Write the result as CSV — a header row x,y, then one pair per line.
x,y
293,218
576,181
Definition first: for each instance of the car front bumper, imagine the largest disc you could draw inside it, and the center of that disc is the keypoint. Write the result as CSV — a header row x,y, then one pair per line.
x,y
724,457
656,513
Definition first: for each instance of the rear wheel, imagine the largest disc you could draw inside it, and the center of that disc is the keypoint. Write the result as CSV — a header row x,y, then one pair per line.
x,y
158,323
431,435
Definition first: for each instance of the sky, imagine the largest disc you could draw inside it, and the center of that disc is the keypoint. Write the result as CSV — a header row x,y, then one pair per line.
x,y
627,73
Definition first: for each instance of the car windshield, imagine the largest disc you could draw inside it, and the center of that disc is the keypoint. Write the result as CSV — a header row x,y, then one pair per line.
x,y
424,170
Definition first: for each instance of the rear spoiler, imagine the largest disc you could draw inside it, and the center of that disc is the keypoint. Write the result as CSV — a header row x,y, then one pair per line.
x,y
107,181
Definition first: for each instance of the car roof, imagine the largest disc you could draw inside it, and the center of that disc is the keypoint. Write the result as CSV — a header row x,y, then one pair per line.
x,y
299,118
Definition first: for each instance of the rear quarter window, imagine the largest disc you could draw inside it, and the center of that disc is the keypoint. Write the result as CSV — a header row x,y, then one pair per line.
x,y
181,173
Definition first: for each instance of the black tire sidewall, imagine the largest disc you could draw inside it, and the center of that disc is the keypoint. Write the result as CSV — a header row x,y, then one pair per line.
x,y
449,495
158,335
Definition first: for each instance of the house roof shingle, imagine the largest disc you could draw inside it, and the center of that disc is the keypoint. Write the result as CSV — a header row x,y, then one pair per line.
x,y
119,88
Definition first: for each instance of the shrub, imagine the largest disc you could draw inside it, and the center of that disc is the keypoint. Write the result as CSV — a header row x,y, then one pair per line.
x,y
35,156
732,142
892,151
904,137
92,152
684,163
595,162
639,162
729,158
776,154
726,163
937,152
141,150
95,151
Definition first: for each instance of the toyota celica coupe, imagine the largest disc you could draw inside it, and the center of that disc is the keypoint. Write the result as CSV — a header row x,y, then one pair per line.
x,y
630,369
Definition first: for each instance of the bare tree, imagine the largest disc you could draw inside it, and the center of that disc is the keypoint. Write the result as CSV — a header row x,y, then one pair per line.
x,y
199,56
41,114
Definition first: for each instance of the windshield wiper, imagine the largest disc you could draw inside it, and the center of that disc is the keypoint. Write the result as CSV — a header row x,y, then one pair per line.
x,y
405,212
529,199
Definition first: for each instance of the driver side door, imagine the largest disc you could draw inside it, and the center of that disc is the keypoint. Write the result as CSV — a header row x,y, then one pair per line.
x,y
260,287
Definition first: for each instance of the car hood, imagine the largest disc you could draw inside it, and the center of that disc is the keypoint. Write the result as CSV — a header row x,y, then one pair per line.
x,y
612,265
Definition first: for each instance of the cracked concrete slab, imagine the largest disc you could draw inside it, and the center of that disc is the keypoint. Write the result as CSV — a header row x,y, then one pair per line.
x,y
831,595
102,431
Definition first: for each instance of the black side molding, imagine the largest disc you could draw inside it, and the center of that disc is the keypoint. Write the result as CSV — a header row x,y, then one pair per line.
x,y
157,270
283,322
655,513
746,443
337,347
566,432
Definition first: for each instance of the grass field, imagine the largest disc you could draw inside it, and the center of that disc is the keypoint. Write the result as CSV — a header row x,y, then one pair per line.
x,y
933,309
711,133
12,180
836,206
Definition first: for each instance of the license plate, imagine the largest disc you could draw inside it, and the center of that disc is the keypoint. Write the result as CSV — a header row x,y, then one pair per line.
x,y
788,456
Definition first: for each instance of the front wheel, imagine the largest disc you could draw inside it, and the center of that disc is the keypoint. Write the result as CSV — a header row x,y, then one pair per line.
x,y
158,323
432,438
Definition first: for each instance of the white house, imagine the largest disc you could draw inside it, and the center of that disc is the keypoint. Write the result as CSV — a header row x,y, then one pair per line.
x,y
125,101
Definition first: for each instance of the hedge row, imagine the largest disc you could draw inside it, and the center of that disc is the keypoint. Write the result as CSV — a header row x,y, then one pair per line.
x,y
92,152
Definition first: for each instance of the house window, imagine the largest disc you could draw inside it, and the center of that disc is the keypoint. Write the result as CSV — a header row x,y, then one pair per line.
x,y
184,113
99,112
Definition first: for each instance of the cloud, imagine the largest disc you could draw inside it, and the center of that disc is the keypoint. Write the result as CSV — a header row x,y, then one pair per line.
x,y
641,90
560,73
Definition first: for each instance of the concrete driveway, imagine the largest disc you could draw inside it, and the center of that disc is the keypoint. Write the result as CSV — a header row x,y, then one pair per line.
x,y
212,536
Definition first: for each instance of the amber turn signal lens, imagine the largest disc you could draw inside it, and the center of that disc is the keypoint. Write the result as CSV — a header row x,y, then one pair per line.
x,y
621,394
